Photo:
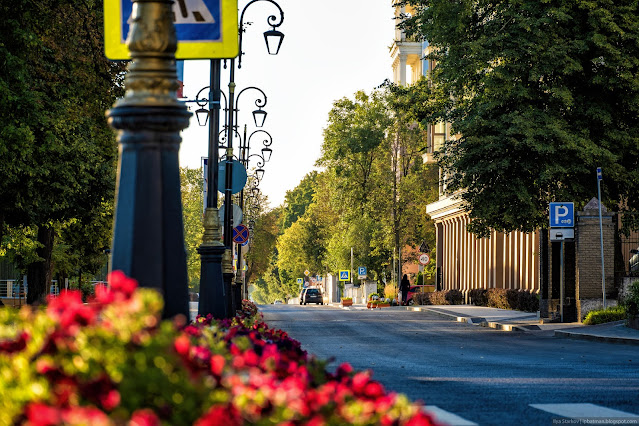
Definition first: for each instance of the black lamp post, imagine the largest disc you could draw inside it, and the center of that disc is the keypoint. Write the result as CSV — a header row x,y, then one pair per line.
x,y
245,157
273,34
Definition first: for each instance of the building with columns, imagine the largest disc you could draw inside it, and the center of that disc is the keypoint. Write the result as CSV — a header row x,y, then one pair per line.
x,y
463,261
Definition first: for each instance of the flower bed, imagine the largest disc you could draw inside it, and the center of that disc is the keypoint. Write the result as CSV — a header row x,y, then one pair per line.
x,y
114,362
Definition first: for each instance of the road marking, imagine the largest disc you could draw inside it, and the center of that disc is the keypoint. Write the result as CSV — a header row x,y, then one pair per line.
x,y
447,417
575,411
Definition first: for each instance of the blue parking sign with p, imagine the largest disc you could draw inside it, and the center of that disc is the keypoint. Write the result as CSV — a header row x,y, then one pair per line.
x,y
562,215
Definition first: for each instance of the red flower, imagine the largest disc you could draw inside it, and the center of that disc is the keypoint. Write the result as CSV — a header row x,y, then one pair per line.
x,y
121,285
182,344
85,416
144,417
110,399
39,414
220,416
421,419
16,345
217,364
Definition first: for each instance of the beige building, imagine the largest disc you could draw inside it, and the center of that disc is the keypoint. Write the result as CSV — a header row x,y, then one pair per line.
x,y
463,261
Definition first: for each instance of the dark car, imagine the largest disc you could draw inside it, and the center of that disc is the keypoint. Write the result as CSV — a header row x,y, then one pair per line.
x,y
311,295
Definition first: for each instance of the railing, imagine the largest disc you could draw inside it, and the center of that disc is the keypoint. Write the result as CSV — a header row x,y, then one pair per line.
x,y
14,292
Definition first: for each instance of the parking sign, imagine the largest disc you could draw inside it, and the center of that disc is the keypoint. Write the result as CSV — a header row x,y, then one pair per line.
x,y
562,215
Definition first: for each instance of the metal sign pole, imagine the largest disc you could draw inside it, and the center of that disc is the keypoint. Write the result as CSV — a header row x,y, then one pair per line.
x,y
561,281
603,272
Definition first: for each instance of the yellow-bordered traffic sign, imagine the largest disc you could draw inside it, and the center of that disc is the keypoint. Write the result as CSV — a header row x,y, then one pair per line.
x,y
205,29
344,275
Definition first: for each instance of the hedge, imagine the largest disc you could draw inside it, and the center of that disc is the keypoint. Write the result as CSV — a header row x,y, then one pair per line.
x,y
114,362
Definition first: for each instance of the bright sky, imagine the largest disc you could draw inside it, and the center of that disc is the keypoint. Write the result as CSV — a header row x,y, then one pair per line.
x,y
331,49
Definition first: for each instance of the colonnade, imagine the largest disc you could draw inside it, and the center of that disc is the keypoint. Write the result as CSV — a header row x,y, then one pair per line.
x,y
466,262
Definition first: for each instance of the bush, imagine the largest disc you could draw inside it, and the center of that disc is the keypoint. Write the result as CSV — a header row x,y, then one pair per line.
x,y
390,291
113,362
444,297
497,298
527,301
421,299
454,297
615,313
631,301
478,297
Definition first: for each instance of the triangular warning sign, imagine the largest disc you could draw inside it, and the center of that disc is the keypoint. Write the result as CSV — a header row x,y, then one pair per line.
x,y
191,12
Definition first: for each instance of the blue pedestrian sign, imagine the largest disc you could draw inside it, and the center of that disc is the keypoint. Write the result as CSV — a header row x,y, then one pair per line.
x,y
562,215
599,173
205,29
344,275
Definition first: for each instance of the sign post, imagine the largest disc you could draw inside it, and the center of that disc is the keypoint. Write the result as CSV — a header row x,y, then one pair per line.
x,y
344,275
562,222
603,272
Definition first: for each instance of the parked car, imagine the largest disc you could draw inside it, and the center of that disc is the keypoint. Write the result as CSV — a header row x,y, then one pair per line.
x,y
277,302
311,295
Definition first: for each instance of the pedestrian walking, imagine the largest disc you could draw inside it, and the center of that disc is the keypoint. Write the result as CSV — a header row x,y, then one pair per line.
x,y
404,286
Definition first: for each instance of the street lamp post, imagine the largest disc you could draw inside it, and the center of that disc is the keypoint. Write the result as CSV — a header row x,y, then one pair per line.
x,y
273,40
148,236
213,292
262,159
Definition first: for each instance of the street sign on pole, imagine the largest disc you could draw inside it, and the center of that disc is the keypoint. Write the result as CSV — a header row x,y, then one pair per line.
x,y
562,215
238,180
424,259
240,234
362,273
344,275
205,29
300,280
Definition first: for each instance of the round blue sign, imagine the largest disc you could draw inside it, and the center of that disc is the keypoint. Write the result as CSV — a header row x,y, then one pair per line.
x,y
238,180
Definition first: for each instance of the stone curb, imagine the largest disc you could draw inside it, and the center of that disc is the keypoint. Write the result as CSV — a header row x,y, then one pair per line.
x,y
517,327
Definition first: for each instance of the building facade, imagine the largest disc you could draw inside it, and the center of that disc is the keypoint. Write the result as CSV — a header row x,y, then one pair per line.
x,y
463,261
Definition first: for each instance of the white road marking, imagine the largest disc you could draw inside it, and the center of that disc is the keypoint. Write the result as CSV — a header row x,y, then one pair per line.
x,y
447,417
575,411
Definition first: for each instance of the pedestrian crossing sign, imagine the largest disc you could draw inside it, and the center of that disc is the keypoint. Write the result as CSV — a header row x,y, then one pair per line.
x,y
345,275
205,29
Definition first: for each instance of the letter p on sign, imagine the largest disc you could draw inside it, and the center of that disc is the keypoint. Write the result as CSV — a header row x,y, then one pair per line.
x,y
562,215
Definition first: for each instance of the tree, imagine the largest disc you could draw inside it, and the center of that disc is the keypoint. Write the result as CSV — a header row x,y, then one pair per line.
x,y
355,130
539,94
192,187
57,154
297,200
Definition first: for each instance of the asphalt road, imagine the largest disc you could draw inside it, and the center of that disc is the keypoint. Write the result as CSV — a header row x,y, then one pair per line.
x,y
468,374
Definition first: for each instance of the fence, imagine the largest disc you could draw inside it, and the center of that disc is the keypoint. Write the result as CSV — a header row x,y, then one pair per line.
x,y
14,292
627,250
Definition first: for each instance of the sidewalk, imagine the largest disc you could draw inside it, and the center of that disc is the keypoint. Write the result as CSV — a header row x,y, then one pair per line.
x,y
506,320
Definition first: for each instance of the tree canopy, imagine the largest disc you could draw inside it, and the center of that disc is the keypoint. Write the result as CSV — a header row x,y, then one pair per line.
x,y
539,94
57,154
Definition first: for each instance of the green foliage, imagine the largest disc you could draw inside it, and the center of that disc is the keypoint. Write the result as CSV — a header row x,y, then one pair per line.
x,y
631,300
615,313
57,153
192,185
539,95
298,200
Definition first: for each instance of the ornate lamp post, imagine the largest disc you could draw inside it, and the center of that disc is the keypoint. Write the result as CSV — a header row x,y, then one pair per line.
x,y
271,35
262,159
148,239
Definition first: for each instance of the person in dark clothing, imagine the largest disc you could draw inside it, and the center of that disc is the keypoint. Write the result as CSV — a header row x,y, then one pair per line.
x,y
404,286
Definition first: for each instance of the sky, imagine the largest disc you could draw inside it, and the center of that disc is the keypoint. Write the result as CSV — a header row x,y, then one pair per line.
x,y
331,49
